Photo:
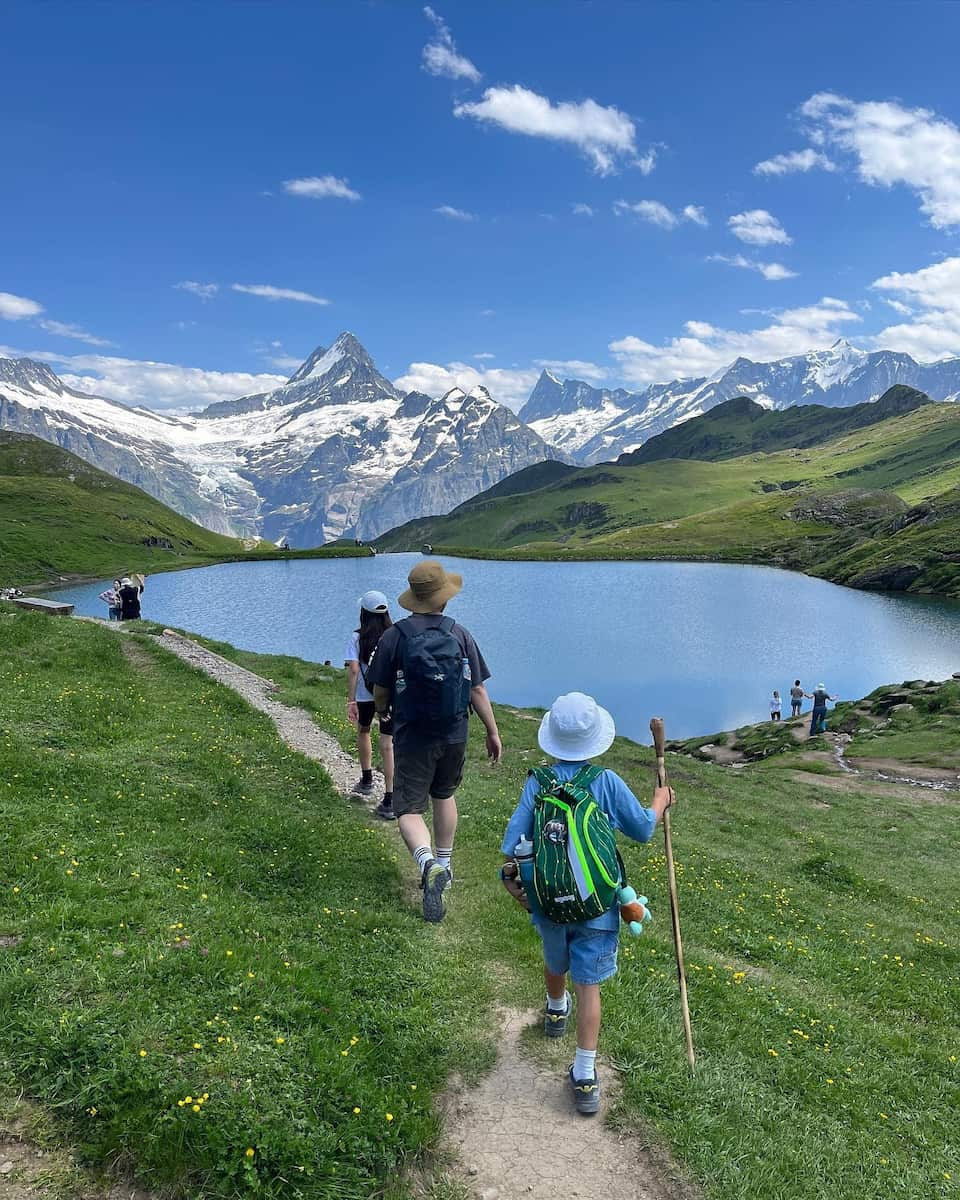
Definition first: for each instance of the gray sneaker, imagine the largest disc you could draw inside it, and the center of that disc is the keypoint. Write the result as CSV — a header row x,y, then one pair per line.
x,y
586,1094
362,789
434,881
385,811
555,1023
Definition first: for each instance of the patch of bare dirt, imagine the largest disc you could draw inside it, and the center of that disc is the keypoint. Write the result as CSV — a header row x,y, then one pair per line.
x,y
879,787
894,767
517,1136
30,1172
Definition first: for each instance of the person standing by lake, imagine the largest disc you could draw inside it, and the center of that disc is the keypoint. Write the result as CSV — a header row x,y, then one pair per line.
x,y
131,589
374,621
796,698
818,718
428,673
111,598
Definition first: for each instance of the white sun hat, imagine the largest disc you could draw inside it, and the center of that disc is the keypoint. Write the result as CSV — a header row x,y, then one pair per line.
x,y
576,728
374,602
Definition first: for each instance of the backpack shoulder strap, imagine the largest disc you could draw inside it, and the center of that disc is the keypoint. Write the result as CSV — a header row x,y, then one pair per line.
x,y
447,624
545,776
586,776
402,627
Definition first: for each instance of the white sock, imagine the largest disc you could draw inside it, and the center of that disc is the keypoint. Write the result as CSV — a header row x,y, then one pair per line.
x,y
422,854
558,1006
444,855
584,1064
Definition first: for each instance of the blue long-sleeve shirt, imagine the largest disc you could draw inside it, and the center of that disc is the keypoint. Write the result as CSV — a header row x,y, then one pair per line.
x,y
625,812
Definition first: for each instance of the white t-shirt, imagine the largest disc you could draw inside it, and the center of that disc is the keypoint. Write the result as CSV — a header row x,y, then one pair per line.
x,y
774,703
353,655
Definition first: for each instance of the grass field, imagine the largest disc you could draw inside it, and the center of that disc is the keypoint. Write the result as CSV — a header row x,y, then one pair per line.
x,y
820,924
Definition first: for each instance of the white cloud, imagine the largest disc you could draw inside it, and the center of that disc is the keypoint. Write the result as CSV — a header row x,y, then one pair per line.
x,y
771,271
893,144
575,368
933,294
320,187
63,329
796,160
758,228
703,348
16,308
157,385
605,135
269,292
658,214
484,354
508,386
287,362
455,214
582,210
204,290
440,55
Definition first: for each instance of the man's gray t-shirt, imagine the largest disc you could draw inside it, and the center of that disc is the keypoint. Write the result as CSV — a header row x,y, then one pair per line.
x,y
382,672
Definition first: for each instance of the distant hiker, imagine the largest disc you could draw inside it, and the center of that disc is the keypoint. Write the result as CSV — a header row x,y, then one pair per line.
x,y
131,589
428,673
574,731
775,706
374,620
796,698
818,718
111,598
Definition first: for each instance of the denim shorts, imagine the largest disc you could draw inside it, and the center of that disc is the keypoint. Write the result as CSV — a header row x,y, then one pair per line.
x,y
590,955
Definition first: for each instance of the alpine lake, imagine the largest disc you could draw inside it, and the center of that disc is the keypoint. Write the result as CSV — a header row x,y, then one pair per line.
x,y
701,644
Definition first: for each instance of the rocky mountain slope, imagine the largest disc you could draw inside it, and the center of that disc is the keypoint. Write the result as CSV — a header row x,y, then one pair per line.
x,y
596,424
336,451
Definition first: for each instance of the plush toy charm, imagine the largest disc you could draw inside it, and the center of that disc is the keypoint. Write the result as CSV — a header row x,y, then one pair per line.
x,y
633,909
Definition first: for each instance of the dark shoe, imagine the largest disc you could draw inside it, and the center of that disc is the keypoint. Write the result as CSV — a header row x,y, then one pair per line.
x,y
385,811
434,881
362,789
555,1023
586,1094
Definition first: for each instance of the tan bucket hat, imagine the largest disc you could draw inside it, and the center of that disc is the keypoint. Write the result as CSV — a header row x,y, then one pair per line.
x,y
430,587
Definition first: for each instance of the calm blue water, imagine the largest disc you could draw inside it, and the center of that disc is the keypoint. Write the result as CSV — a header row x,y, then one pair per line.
x,y
703,645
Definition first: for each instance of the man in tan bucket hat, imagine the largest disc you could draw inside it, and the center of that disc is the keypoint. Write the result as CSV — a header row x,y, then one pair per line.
x,y
428,672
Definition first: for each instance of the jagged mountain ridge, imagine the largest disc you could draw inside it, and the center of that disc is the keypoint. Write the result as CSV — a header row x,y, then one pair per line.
x,y
597,424
335,451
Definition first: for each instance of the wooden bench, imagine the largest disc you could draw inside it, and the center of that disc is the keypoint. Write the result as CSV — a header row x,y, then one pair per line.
x,y
50,607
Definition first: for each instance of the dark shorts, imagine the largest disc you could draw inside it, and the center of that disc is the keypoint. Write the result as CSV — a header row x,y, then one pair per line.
x,y
422,771
365,714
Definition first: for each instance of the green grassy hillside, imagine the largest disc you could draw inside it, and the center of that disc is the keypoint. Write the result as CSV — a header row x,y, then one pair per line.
x,y
59,516
876,507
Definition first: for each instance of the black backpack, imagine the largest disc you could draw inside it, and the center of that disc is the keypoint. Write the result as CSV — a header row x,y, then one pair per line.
x,y
433,677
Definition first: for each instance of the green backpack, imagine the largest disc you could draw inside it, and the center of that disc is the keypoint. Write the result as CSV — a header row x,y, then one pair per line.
x,y
576,866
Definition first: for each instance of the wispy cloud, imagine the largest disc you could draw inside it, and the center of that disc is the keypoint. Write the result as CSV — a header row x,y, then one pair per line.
x,y
455,214
758,228
205,291
703,348
63,329
484,354
17,308
893,144
488,312
771,270
508,386
604,134
440,56
655,213
575,368
268,292
582,210
797,160
321,187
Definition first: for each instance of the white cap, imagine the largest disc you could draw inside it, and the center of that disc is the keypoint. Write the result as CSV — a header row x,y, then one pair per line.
x,y
821,687
576,728
374,602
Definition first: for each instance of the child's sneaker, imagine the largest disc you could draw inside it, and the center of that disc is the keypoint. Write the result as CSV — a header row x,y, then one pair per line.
x,y
434,881
555,1023
362,787
586,1094
385,811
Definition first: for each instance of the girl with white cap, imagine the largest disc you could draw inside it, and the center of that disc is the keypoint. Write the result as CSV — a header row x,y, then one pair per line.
x,y
374,621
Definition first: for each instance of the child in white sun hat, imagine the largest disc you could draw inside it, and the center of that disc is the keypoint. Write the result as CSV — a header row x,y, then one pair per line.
x,y
574,731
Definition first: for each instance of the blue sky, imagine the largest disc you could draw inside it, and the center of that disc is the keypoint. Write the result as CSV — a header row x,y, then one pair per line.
x,y
475,191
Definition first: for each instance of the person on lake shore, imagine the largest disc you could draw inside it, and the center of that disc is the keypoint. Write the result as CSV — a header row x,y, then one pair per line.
x,y
111,598
818,718
775,706
374,621
428,673
131,589
575,731
796,698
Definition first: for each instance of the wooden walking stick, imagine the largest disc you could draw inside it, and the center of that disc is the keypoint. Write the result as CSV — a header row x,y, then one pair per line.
x,y
656,728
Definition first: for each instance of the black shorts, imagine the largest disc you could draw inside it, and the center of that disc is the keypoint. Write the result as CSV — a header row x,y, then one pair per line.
x,y
365,714
424,771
